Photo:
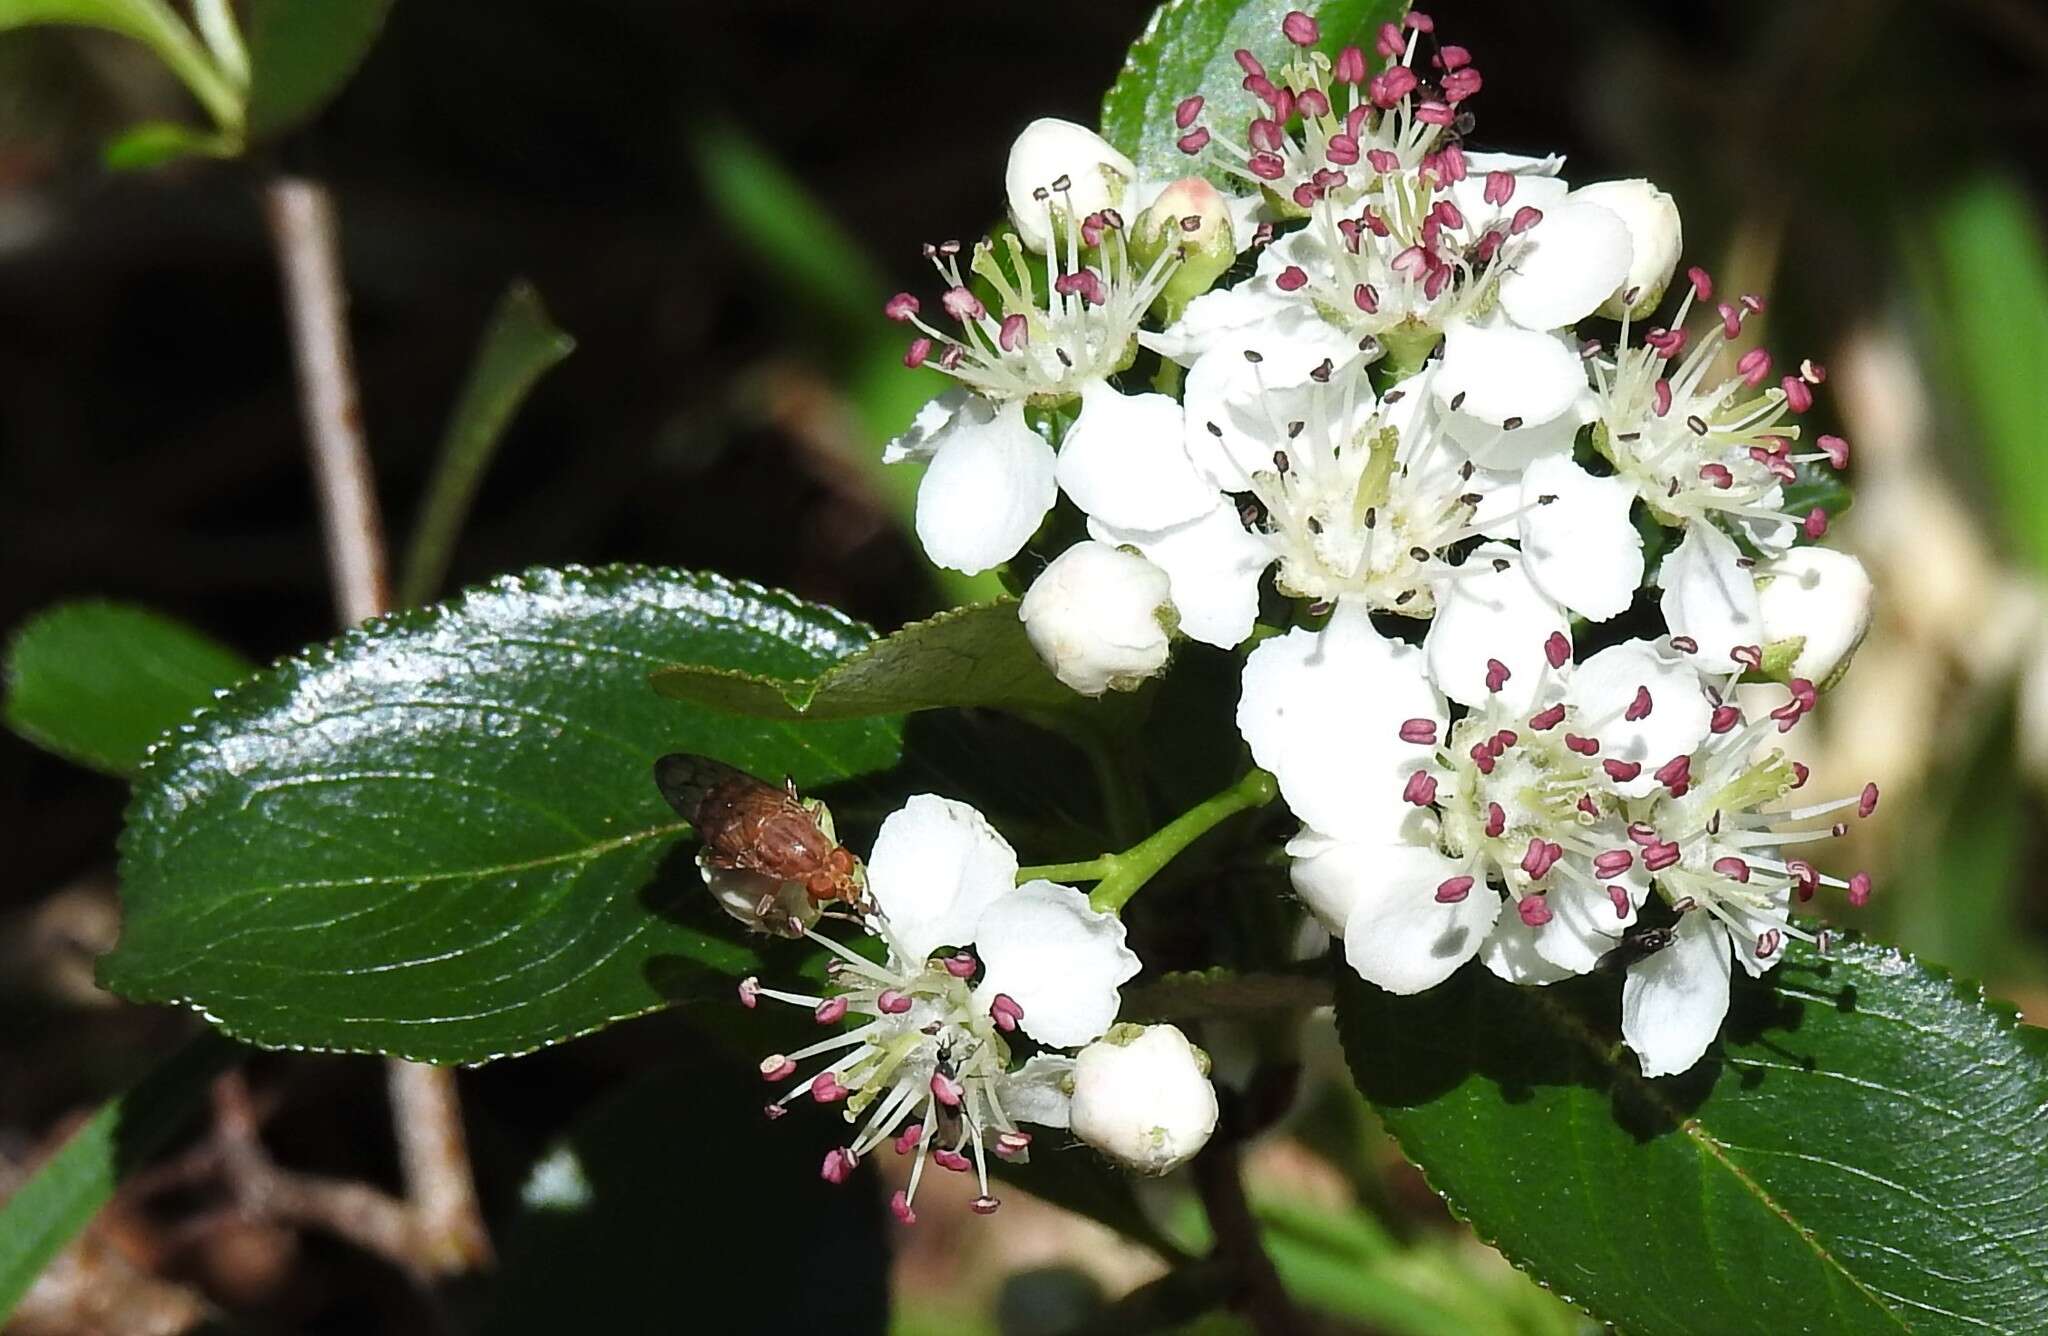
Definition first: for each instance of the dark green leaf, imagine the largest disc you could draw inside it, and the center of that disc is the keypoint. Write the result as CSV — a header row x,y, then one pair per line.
x,y
1863,1151
518,349
1820,486
434,837
300,54
680,1179
1187,48
98,682
969,656
49,1210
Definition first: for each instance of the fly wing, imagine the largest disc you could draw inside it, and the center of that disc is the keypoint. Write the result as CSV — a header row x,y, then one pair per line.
x,y
686,780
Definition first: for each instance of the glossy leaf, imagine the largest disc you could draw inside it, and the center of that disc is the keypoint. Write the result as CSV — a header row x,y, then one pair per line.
x,y
300,54
1188,48
1863,1151
518,348
680,1176
969,656
57,1201
435,837
97,683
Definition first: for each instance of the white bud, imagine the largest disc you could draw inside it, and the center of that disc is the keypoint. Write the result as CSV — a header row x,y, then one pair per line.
x,y
1099,617
1051,152
1655,238
1142,1097
1820,598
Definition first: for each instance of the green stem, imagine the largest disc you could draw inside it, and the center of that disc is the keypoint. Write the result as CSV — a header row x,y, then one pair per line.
x,y
1119,876
1094,869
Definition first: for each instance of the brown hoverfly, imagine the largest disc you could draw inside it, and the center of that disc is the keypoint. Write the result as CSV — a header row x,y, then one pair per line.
x,y
749,825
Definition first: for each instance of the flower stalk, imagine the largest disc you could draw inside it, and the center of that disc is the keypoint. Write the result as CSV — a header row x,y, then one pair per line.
x,y
1119,876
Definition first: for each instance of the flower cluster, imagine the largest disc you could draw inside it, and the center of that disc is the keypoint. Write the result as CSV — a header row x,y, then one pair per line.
x,y
1526,604
926,1035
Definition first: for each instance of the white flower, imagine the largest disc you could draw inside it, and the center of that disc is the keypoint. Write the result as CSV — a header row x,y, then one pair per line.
x,y
1815,604
1714,841
1701,448
1656,239
1357,501
1142,1096
1060,170
1416,828
927,1065
1098,617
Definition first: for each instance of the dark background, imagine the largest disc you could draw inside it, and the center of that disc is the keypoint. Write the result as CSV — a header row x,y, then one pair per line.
x,y
150,448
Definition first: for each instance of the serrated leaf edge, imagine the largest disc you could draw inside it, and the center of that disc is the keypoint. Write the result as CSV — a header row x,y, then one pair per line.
x,y
1959,988
327,653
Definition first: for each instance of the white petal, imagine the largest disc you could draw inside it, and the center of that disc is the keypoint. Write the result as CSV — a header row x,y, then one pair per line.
x,y
921,439
1487,613
1674,1001
1566,265
1495,375
1539,189
1227,316
1582,926
1749,926
1212,565
1710,597
1323,711
937,864
1510,952
1123,460
1401,937
988,488
1604,687
1037,1092
1057,958
1521,164
1580,548
1331,876
1238,411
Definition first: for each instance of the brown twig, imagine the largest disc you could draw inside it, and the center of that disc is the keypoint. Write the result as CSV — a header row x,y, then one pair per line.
x,y
1256,1290
374,1221
446,1218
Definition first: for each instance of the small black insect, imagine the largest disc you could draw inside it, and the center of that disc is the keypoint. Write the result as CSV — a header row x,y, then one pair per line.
x,y
1637,943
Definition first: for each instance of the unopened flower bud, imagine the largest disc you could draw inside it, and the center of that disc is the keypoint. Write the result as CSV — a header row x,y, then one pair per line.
x,y
1655,240
1816,607
1142,1097
1099,617
1192,218
1061,170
